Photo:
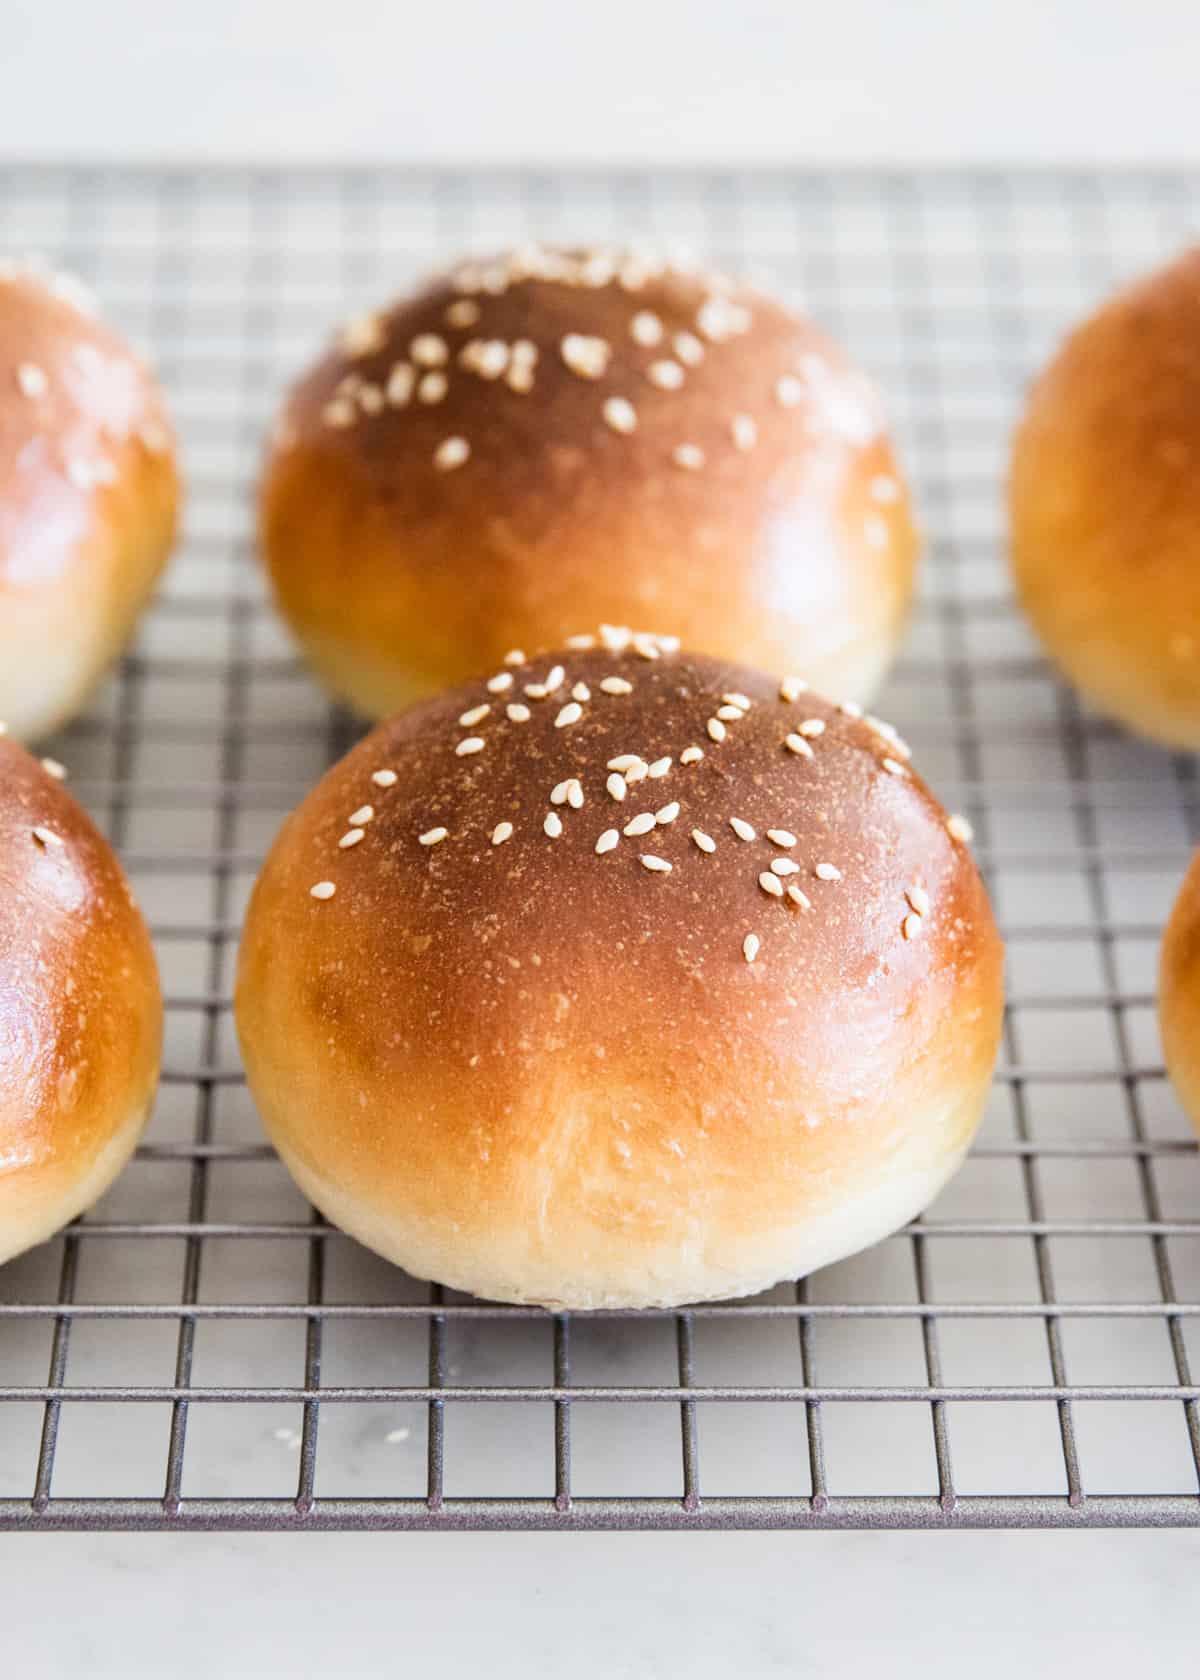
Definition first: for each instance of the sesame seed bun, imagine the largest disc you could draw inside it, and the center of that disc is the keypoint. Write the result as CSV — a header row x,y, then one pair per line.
x,y
1179,993
80,1008
1105,505
559,435
88,497
648,993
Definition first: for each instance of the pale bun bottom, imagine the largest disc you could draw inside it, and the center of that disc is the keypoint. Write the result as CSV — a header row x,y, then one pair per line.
x,y
31,1214
759,1260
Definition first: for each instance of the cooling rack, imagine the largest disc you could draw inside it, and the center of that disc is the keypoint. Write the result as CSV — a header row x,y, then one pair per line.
x,y
202,1351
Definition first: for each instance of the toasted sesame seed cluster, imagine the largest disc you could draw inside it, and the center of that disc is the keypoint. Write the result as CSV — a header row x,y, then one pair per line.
x,y
553,433
618,975
88,495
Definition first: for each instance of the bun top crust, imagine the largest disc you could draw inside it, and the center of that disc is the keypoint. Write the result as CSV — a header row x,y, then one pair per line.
x,y
554,435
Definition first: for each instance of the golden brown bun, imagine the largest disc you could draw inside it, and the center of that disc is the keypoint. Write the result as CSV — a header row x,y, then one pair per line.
x,y
794,550
88,498
80,1008
1105,506
1179,993
542,1072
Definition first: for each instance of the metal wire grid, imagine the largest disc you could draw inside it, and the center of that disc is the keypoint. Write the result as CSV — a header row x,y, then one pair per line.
x,y
203,1351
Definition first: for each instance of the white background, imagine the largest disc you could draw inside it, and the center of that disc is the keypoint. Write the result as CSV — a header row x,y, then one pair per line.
x,y
848,80
723,80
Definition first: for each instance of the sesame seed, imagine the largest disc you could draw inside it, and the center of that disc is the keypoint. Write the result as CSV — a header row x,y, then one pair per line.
x,y
850,708
789,392
32,380
400,383
791,688
730,714
490,360
46,837
518,713
958,828
646,329
555,677
691,755
581,642
470,744
615,637
688,348
433,388
607,841
558,795
570,713
745,432
451,453
475,715
668,813
500,683
798,745
884,489
689,456
781,837
53,768
501,833
362,335
429,350
616,785
524,351
370,399
620,414
742,701
667,375
771,884
742,829
433,836
912,926
641,824
514,656
716,729
463,312
351,837
519,378
751,946
656,865
785,866
384,778
811,728
705,841
581,691
364,814
552,824
894,767
623,761
575,793
875,530
828,872
536,690
323,889
658,768
919,899
647,647
616,685
338,414
588,357
637,772
799,897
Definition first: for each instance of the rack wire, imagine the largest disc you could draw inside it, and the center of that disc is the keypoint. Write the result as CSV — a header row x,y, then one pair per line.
x,y
202,1351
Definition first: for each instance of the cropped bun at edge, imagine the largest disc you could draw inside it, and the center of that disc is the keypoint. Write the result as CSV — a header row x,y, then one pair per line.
x,y
557,437
621,977
89,494
1105,505
1179,993
80,1008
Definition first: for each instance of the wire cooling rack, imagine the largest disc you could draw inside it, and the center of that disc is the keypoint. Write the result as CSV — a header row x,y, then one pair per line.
x,y
202,1351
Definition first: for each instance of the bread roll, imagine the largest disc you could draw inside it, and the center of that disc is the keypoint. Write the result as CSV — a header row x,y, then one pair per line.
x,y
1179,993
622,977
555,436
80,1008
88,497
1105,506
